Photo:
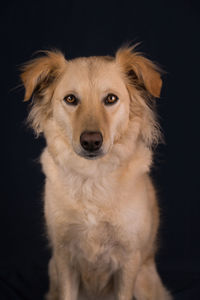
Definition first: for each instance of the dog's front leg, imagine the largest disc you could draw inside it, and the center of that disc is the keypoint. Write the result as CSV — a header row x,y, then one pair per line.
x,y
126,277
68,279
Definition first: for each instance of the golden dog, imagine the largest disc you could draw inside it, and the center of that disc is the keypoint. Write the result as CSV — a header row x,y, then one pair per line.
x,y
102,217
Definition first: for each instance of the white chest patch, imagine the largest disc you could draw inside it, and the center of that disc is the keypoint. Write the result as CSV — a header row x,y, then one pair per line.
x,y
91,219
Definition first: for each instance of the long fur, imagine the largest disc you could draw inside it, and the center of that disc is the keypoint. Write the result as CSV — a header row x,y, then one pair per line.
x,y
102,215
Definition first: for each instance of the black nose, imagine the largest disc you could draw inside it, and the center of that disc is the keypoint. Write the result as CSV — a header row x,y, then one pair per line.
x,y
91,141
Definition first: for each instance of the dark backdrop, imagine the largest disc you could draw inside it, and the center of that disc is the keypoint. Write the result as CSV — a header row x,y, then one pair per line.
x,y
169,32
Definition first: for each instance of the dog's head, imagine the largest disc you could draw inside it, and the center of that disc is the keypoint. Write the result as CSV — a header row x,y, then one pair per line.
x,y
93,103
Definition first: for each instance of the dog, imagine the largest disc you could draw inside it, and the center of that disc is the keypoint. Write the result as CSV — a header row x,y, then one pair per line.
x,y
98,118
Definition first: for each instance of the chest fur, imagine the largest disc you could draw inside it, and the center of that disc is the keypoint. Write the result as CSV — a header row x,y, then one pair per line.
x,y
95,249
93,240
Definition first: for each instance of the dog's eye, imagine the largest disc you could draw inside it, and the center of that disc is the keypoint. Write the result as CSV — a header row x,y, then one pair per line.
x,y
71,99
110,99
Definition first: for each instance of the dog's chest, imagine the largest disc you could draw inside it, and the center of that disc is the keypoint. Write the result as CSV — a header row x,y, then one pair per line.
x,y
93,240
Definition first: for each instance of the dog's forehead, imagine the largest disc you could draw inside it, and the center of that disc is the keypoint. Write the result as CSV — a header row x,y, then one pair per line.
x,y
100,73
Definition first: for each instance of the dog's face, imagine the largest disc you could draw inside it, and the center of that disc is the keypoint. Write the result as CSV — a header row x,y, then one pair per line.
x,y
93,100
91,105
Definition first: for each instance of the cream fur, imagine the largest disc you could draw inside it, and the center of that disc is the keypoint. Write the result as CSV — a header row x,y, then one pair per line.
x,y
102,215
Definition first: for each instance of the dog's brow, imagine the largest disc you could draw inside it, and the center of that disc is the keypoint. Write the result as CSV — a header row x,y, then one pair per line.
x,y
110,91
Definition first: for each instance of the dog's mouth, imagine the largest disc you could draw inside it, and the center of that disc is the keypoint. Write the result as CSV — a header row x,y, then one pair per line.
x,y
91,156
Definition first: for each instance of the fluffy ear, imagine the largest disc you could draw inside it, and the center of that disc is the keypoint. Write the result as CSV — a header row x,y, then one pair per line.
x,y
39,73
144,73
144,83
39,77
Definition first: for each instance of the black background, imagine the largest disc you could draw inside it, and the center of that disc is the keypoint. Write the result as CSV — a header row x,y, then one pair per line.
x,y
169,32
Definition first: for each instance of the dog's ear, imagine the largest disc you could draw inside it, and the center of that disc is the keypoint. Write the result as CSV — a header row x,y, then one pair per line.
x,y
143,80
143,73
39,77
38,74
